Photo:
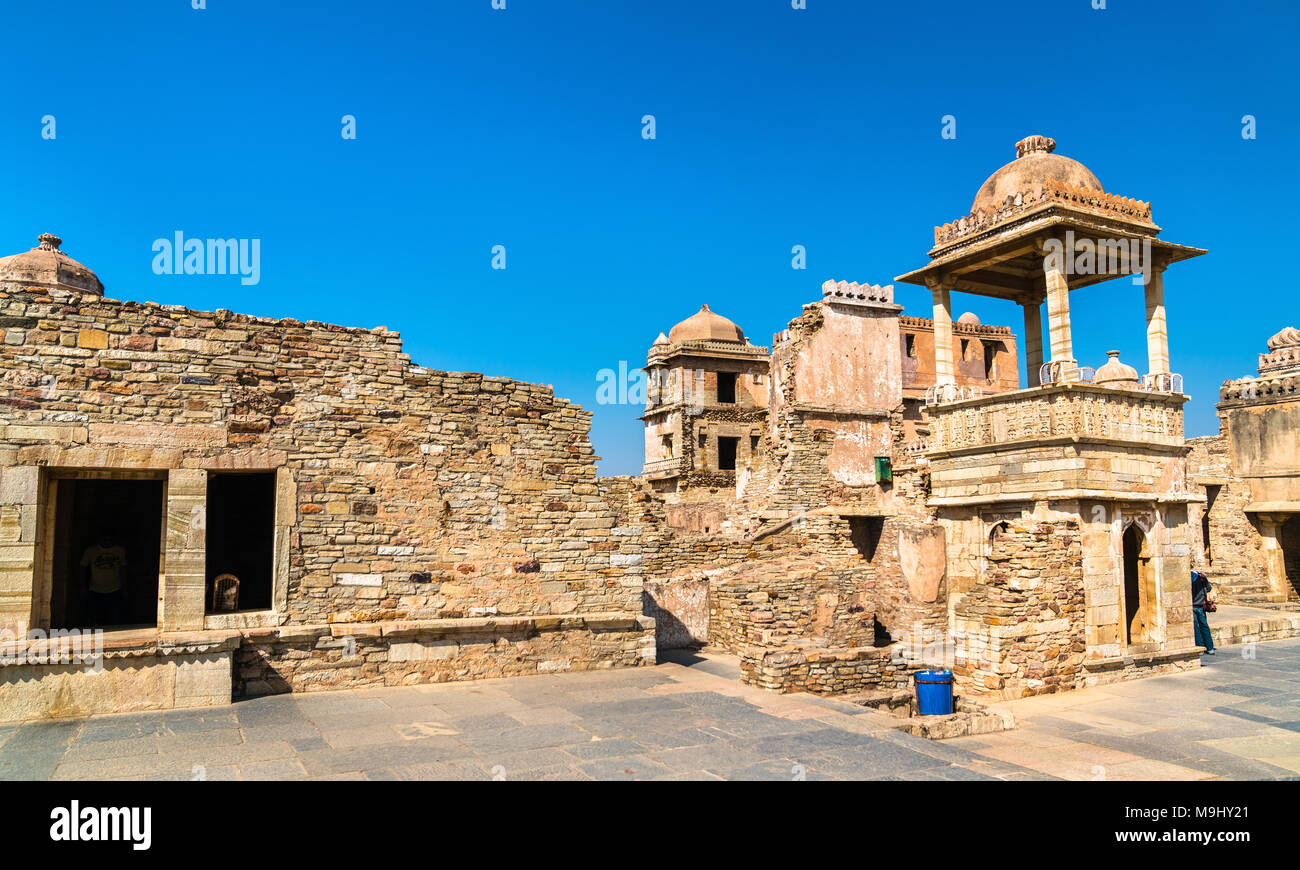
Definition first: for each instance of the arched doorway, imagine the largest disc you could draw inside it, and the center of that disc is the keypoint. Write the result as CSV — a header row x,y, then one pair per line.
x,y
1138,586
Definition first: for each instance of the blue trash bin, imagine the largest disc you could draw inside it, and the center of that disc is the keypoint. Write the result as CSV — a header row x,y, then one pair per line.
x,y
934,692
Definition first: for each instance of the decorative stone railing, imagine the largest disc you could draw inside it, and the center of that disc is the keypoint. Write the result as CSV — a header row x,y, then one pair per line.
x,y
940,393
853,293
1250,389
1060,411
915,448
662,468
1163,382
1282,359
1052,191
907,320
1065,371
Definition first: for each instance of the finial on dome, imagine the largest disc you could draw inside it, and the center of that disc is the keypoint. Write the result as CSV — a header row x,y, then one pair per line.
x,y
1035,145
49,242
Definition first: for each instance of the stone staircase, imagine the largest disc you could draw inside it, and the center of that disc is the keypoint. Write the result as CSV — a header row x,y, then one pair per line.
x,y
1243,590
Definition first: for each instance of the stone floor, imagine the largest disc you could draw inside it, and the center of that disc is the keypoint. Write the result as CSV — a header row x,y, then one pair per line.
x,y
688,718
1237,717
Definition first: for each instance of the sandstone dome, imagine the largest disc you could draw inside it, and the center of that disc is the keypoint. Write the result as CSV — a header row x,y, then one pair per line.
x,y
970,318
1115,373
47,266
1035,164
704,325
1289,337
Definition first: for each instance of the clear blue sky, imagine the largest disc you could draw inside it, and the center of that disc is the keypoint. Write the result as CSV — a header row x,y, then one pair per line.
x,y
522,127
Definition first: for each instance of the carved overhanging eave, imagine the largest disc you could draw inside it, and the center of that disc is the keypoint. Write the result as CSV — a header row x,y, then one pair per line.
x,y
1069,495
1008,263
814,410
1053,192
707,348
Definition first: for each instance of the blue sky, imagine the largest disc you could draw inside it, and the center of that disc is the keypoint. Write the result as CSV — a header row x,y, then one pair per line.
x,y
775,127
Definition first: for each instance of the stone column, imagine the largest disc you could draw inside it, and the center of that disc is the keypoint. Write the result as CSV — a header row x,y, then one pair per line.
x,y
1270,529
1033,336
184,579
945,371
1058,317
1157,331
19,499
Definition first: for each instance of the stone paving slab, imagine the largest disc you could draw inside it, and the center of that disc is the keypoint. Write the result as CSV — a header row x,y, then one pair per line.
x,y
686,720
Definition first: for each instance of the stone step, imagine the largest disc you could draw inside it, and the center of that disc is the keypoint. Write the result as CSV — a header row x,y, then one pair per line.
x,y
1255,626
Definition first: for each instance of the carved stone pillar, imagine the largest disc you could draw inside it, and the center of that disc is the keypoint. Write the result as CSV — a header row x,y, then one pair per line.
x,y
1033,306
945,371
1270,529
1058,317
1157,330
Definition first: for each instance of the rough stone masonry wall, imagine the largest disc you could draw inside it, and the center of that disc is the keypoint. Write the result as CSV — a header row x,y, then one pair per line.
x,y
825,671
1237,568
770,603
1021,632
417,495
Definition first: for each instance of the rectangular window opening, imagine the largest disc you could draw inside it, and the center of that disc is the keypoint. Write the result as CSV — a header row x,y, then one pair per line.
x,y
726,388
865,532
106,555
727,453
240,541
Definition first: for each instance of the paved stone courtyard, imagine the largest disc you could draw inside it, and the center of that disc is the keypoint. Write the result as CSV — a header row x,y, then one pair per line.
x,y
688,718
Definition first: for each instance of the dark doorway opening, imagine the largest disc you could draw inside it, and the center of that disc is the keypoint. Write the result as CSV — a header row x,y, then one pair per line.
x,y
726,388
727,453
865,533
1211,493
241,537
1289,537
107,553
1137,570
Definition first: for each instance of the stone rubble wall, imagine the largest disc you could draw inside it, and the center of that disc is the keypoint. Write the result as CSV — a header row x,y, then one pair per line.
x,y
416,494
314,658
1024,628
824,671
774,602
1237,569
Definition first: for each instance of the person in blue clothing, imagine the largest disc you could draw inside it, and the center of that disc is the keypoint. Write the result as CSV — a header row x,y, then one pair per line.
x,y
1200,594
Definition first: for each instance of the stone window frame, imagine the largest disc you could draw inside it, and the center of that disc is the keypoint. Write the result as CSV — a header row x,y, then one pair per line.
x,y
46,510
182,578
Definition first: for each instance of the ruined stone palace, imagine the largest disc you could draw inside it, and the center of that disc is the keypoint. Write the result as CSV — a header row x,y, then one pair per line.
x,y
302,507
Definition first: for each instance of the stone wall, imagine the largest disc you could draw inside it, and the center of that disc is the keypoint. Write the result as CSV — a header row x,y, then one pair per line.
x,y
824,671
1235,563
407,494
771,602
1022,629
312,658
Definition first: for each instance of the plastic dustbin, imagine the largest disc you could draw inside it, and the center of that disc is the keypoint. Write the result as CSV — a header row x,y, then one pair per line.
x,y
934,692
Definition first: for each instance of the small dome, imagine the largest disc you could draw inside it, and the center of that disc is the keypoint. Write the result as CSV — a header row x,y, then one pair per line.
x,y
47,266
1289,337
1115,373
661,340
1034,165
707,326
969,318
